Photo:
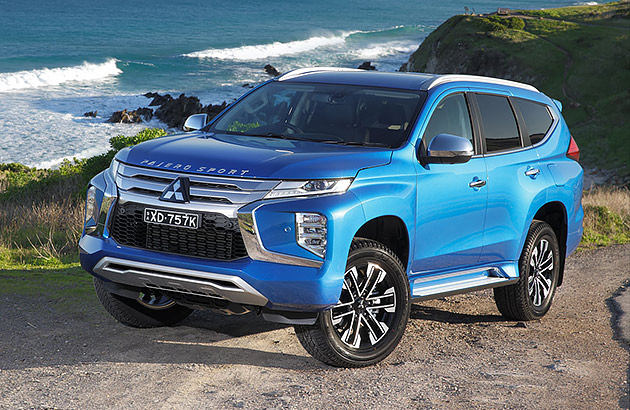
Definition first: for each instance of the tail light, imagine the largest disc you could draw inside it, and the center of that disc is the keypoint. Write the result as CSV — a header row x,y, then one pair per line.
x,y
574,151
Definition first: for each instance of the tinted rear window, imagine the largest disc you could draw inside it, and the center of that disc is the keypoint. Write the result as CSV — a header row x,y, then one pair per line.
x,y
499,124
537,118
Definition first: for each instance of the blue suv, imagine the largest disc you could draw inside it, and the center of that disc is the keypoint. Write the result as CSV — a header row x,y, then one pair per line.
x,y
331,199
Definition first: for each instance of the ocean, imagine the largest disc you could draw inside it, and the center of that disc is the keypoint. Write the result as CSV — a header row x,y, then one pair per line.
x,y
62,58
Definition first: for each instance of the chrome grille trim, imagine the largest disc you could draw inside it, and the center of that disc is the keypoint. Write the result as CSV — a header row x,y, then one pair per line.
x,y
145,185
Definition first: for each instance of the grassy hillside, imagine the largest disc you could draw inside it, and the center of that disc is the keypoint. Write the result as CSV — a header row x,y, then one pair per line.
x,y
578,55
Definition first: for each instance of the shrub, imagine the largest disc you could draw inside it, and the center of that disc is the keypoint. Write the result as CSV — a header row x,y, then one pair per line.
x,y
496,23
120,141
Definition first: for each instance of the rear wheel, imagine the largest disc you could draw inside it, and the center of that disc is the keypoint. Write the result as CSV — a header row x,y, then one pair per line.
x,y
530,298
370,318
149,309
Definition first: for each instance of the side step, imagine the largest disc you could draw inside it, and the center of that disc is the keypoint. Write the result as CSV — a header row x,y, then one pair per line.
x,y
445,284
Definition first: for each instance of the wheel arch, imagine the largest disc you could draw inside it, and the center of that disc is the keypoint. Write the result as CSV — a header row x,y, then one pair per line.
x,y
555,214
389,230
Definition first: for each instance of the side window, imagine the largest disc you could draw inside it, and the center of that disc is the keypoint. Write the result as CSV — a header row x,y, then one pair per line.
x,y
537,118
450,117
498,122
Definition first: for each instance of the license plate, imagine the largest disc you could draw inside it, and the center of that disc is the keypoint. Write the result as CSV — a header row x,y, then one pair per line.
x,y
170,218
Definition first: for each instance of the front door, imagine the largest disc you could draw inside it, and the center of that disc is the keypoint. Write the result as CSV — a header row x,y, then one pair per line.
x,y
451,198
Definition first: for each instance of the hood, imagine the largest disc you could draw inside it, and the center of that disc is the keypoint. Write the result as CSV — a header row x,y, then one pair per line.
x,y
253,157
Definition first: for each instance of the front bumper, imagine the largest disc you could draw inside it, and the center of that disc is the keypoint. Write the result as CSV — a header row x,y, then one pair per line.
x,y
244,281
186,281
278,274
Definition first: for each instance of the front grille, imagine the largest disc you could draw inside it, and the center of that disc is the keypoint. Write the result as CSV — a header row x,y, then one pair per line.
x,y
140,184
218,236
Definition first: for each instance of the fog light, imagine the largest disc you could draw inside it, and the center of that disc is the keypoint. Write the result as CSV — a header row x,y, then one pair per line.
x,y
91,210
311,232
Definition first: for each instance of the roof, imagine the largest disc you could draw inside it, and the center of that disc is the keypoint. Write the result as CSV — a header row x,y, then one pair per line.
x,y
409,81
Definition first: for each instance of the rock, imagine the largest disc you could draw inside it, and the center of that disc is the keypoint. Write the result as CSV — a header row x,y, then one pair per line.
x,y
271,70
214,110
175,111
158,99
366,65
403,68
131,117
90,114
146,113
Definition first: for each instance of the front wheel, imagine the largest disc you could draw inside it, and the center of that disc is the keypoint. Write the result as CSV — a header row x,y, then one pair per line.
x,y
369,320
530,298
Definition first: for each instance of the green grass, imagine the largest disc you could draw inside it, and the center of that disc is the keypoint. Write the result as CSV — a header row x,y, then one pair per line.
x,y
590,42
607,227
66,289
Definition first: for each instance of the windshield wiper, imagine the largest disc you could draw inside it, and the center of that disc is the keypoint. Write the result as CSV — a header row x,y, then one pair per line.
x,y
277,135
357,143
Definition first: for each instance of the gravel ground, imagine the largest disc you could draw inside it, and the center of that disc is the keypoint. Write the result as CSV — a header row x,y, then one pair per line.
x,y
457,353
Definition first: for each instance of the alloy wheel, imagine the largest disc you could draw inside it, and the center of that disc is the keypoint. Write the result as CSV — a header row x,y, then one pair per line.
x,y
366,308
540,278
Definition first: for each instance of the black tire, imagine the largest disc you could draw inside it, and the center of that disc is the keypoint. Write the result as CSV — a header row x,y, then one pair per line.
x,y
374,301
530,298
136,313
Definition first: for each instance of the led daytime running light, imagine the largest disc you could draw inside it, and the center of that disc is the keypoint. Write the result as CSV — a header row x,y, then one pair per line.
x,y
312,187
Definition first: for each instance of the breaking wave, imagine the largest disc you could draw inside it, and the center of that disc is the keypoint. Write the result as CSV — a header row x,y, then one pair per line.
x,y
276,49
54,76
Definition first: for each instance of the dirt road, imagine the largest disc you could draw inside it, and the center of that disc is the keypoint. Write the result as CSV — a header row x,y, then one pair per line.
x,y
457,353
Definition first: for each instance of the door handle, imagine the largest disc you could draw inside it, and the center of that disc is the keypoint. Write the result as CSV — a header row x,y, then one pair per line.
x,y
532,172
477,183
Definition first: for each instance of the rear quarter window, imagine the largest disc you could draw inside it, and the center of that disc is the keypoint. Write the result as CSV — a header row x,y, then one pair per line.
x,y
537,118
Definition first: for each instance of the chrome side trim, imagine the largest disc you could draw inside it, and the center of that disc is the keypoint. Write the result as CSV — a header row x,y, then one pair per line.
x,y
434,286
257,251
187,281
449,78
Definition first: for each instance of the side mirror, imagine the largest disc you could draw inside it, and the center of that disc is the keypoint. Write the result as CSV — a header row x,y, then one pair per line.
x,y
448,149
196,122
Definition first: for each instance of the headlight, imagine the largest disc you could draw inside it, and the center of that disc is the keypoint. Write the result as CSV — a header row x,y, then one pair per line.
x,y
313,187
113,168
91,209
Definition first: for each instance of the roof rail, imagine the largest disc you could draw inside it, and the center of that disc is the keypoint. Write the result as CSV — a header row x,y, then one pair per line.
x,y
301,71
442,79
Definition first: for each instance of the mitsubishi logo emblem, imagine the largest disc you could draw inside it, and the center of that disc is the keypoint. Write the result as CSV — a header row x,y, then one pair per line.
x,y
177,191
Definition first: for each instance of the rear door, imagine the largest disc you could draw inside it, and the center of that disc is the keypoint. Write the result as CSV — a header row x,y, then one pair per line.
x,y
449,211
514,179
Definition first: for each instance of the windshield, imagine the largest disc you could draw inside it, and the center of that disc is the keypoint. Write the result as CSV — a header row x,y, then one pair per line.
x,y
330,113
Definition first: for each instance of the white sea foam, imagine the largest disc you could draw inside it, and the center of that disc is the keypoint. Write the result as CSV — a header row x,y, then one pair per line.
x,y
277,49
387,49
586,3
55,76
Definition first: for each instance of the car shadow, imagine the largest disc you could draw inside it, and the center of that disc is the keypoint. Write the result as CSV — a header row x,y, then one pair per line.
x,y
445,316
